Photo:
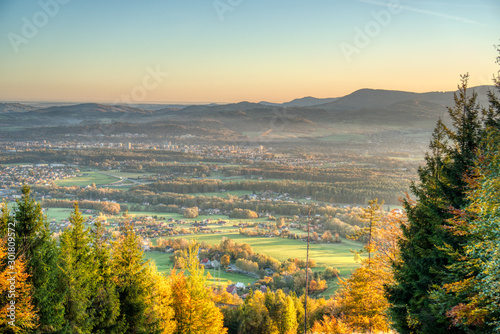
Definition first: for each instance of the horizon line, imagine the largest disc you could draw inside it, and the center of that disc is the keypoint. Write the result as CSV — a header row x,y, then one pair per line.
x,y
187,103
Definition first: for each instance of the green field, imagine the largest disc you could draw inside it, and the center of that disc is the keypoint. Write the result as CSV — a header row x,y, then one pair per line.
x,y
164,265
128,175
162,261
59,214
87,179
326,255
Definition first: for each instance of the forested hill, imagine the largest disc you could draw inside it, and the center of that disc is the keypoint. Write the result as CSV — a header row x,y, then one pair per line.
x,y
301,118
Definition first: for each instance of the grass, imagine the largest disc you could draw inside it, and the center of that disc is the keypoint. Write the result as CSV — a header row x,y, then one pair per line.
x,y
59,214
87,179
164,265
128,175
162,261
326,255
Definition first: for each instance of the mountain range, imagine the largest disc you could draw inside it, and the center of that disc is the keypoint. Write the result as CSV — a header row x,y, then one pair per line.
x,y
365,110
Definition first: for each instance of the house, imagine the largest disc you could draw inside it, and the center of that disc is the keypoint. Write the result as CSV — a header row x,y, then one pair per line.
x,y
232,289
215,264
206,263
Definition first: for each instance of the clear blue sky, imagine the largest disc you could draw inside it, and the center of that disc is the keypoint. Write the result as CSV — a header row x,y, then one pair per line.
x,y
274,50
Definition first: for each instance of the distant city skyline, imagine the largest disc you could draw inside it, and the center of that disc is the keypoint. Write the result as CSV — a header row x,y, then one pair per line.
x,y
226,51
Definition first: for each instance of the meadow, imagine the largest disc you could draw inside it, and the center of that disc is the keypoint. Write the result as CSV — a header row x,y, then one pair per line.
x,y
87,178
326,255
165,265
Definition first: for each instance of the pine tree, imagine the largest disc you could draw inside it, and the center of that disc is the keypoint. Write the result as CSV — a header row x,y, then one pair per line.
x,y
78,275
493,112
34,243
105,301
129,269
442,187
472,296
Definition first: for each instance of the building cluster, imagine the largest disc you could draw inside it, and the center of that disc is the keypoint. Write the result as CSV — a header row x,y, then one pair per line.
x,y
255,153
14,176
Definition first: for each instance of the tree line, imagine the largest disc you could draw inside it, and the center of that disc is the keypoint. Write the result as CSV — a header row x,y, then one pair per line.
x,y
88,283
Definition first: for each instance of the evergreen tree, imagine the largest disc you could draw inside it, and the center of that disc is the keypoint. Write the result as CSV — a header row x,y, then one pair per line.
x,y
472,296
34,243
78,275
130,270
493,112
105,301
424,260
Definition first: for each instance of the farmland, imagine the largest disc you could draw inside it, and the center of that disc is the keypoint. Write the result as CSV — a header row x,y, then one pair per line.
x,y
325,255
274,197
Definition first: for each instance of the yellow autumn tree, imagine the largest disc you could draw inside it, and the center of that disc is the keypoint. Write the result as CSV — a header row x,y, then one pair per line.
x,y
360,303
330,325
194,309
159,310
20,316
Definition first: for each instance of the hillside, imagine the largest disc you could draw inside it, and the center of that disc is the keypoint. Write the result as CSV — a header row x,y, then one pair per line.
x,y
363,111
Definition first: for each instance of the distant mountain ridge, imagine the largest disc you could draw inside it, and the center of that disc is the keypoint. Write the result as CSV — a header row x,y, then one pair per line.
x,y
15,107
91,108
304,117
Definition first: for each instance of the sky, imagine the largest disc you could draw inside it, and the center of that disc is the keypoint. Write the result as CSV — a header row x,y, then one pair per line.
x,y
198,51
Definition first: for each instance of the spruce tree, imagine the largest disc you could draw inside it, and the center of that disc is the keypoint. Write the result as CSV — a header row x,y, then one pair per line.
x,y
129,268
35,244
471,297
105,302
424,259
78,275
